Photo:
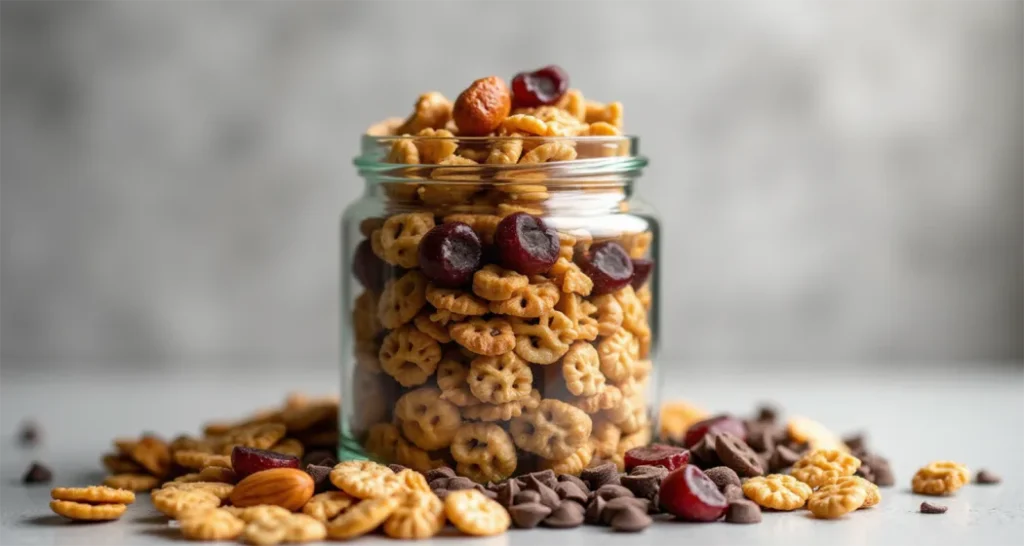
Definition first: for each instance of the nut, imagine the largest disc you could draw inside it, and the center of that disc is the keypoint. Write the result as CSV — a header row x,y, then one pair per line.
x,y
482,107
285,487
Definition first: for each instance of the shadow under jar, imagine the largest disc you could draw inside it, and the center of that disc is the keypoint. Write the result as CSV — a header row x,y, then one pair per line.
x,y
499,372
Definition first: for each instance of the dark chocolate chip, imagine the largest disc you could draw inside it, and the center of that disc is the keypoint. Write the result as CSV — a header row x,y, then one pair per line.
x,y
524,497
594,510
608,492
927,508
761,438
766,413
29,434
600,475
460,482
616,505
570,491
321,477
528,515
575,480
722,476
985,477
548,497
442,472
737,455
856,442
742,511
319,457
566,515
493,495
864,471
439,483
882,472
631,520
733,492
396,468
37,473
546,477
645,487
649,470
782,458
703,453
441,493
507,493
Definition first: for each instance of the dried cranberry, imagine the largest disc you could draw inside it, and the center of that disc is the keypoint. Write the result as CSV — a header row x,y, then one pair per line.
x,y
249,460
540,87
718,423
526,244
368,268
670,457
608,265
450,253
689,494
642,268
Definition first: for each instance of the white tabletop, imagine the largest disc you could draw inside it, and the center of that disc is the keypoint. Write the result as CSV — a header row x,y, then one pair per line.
x,y
913,414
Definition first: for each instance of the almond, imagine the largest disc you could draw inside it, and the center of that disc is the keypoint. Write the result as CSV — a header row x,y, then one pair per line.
x,y
482,107
285,487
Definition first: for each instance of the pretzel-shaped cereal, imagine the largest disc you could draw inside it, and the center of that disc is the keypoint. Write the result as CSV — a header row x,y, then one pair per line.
x,y
630,415
548,152
573,464
500,379
609,314
497,284
618,352
381,441
403,151
484,452
501,412
523,124
605,438
402,299
437,146
545,339
400,237
410,356
426,419
573,104
581,368
533,300
579,311
555,430
610,113
489,337
505,152
431,110
634,315
451,378
431,328
483,224
415,458
570,278
455,300
609,397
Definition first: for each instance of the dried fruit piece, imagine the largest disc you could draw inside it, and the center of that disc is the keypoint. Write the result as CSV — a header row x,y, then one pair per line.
x,y
368,268
249,460
449,254
718,423
475,514
690,495
482,107
777,491
526,244
669,457
541,87
285,487
608,265
642,268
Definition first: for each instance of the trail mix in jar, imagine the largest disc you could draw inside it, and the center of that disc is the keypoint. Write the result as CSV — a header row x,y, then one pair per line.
x,y
493,331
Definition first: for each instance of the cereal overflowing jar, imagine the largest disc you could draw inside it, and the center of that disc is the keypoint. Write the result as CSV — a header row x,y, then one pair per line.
x,y
498,281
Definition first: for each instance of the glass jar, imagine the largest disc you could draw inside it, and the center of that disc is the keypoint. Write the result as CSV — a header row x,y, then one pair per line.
x,y
509,373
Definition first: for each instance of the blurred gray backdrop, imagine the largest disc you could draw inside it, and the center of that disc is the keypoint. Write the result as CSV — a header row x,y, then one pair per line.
x,y
840,181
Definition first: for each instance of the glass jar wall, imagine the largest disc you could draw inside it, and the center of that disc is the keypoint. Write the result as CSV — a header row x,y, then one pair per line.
x,y
468,347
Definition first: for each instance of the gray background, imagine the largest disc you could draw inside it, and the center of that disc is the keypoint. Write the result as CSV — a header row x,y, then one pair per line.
x,y
839,181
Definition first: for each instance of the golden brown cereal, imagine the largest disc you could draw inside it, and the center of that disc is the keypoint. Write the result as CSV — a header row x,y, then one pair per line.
x,y
216,474
490,337
804,430
410,356
500,412
219,489
474,514
250,514
496,284
364,479
634,316
609,314
293,528
940,478
675,417
618,354
545,339
573,464
427,420
324,506
609,398
400,237
95,494
213,524
581,368
412,480
483,224
574,104
432,110
452,194
554,430
132,482
419,514
191,477
431,328
834,500
289,446
439,145
523,124
153,454
630,415
414,457
645,296
548,152
403,150
777,491
535,299
175,502
387,127
570,279
381,441
506,151
80,511
455,300
500,379
446,318
580,312
602,128
259,436
362,518
824,466
484,452
605,438
873,497
610,113
121,464
452,371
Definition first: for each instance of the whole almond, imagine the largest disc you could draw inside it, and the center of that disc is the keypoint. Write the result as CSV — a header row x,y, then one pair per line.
x,y
482,107
285,487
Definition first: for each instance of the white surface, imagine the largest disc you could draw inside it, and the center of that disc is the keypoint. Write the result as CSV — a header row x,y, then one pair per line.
x,y
913,415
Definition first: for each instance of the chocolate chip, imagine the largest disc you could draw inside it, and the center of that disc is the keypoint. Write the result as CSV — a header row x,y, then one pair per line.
x,y
737,455
856,442
524,497
761,437
985,477
766,413
594,510
460,482
441,493
643,486
703,453
927,508
575,480
733,492
610,491
631,520
507,493
439,483
570,491
649,470
321,477
568,514
528,515
722,476
29,434
548,497
742,511
396,468
600,475
616,505
782,458
442,472
37,473
319,457
881,472
546,477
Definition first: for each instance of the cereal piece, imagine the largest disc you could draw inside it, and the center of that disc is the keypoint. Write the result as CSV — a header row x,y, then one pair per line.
x,y
482,107
501,412
574,104
642,370
437,145
218,489
505,151
500,379
94,494
80,511
580,312
609,314
381,441
645,296
191,477
634,316
603,128
506,208
524,124
605,438
217,474
446,318
120,464
132,482
834,500
535,299
432,110
452,372
803,430
412,480
259,436
483,224
427,420
573,464
940,478
259,512
777,491
581,368
609,398
545,339
630,414
289,446
474,514
873,495
293,528
570,278
387,127
610,113
484,452
824,466
555,430
415,458
490,337
618,353
675,417
549,152
176,502
400,237
362,518
410,356
403,150
214,524
431,328
419,515
455,300
364,479
153,454
496,284
365,323
325,506
472,151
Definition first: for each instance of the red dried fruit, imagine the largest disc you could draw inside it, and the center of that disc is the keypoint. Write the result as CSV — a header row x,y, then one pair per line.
x,y
526,244
718,423
249,460
689,494
608,265
642,268
540,87
450,253
670,457
370,270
